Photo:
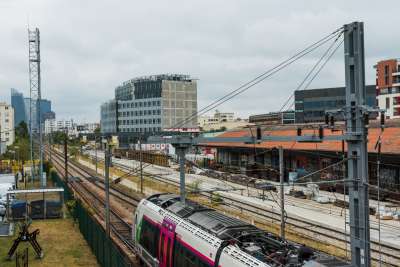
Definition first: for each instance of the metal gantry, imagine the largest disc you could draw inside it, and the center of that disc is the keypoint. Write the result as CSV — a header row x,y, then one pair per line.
x,y
356,114
35,124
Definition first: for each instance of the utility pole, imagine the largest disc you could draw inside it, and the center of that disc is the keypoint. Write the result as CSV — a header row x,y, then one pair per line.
x,y
282,193
107,160
1,141
35,123
356,115
181,154
95,151
66,158
50,137
141,165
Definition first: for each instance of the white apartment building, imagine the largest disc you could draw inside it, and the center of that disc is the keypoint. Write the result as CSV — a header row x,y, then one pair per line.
x,y
7,134
217,118
53,125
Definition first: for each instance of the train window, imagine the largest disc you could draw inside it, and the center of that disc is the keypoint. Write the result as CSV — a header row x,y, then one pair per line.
x,y
167,257
184,257
149,237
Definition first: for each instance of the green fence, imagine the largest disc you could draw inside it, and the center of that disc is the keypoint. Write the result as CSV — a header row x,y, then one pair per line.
x,y
60,183
107,254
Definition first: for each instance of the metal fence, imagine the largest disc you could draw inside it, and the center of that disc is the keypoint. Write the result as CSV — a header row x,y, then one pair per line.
x,y
107,254
60,183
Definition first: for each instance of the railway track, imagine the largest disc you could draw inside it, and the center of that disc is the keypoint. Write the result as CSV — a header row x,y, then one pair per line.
x,y
331,236
118,225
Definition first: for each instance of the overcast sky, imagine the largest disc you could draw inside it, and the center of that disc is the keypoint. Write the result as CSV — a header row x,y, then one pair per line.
x,y
90,47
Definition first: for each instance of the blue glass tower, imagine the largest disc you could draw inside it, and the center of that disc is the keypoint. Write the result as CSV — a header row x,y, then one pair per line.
x,y
18,103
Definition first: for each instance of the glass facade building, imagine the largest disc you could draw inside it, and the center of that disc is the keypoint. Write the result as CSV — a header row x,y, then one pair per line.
x,y
22,109
311,105
18,104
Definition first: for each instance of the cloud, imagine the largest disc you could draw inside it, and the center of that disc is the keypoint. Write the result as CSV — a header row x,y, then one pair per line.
x,y
90,47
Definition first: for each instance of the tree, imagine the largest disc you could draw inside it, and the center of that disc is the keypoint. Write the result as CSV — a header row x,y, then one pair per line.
x,y
20,149
21,131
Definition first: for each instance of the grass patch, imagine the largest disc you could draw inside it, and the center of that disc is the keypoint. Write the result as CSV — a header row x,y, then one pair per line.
x,y
62,243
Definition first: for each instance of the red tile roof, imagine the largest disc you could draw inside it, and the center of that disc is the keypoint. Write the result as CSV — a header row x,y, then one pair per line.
x,y
390,140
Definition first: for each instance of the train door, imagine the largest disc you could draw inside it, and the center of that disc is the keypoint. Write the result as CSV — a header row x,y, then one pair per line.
x,y
166,243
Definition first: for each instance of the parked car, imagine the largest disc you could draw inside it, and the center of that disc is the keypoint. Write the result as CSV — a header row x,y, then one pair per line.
x,y
266,186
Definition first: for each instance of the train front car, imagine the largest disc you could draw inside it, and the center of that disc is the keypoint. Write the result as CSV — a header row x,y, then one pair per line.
x,y
169,234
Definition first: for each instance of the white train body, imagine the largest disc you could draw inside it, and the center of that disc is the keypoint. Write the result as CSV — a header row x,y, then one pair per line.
x,y
168,233
194,240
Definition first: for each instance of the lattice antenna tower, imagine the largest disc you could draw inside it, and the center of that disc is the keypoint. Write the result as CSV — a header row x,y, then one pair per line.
x,y
35,124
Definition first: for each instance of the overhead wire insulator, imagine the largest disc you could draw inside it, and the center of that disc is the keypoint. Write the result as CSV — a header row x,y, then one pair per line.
x,y
321,132
259,134
382,119
366,119
332,121
326,119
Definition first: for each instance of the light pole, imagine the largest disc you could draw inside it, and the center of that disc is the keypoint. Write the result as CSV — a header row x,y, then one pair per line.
x,y
141,165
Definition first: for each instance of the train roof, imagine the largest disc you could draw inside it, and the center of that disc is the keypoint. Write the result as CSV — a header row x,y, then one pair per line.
x,y
249,238
220,225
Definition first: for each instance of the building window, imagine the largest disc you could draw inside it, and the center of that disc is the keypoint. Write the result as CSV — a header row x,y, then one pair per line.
x,y
387,102
386,74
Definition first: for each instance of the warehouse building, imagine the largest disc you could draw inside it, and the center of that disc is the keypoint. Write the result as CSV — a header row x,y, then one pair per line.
x,y
262,159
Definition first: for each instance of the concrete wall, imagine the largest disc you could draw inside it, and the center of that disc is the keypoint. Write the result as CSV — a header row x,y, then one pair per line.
x,y
179,102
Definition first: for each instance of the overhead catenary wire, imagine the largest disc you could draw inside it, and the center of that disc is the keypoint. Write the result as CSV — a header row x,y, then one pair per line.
x,y
262,76
312,70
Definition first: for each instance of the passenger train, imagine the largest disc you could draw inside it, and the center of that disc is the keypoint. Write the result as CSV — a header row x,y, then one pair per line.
x,y
168,233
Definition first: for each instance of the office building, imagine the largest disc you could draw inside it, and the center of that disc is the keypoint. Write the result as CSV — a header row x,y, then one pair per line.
x,y
151,104
7,134
220,121
108,115
311,105
53,125
216,118
18,104
22,109
388,87
273,118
